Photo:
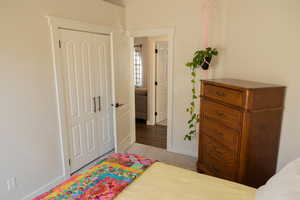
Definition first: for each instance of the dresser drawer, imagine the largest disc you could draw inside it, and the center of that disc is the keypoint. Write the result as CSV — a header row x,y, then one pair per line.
x,y
226,95
218,160
228,116
227,136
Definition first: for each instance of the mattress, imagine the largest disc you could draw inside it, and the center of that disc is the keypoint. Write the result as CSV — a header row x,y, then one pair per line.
x,y
162,181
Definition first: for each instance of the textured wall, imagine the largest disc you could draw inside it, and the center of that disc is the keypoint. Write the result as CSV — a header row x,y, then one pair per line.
x,y
187,19
29,145
262,44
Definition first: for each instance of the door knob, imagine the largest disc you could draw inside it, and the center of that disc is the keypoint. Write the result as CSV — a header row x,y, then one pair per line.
x,y
117,105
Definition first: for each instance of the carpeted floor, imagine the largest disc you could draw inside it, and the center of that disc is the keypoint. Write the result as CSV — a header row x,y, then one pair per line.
x,y
183,161
162,155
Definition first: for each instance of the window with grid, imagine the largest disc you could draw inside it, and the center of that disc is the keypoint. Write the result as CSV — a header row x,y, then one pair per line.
x,y
138,66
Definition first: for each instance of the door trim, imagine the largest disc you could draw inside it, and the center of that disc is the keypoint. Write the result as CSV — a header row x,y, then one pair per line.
x,y
170,33
55,24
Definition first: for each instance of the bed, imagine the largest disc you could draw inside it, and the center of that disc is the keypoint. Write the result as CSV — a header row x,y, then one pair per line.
x,y
162,181
133,177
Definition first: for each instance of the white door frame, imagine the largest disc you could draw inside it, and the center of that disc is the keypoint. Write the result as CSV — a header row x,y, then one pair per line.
x,y
55,25
170,33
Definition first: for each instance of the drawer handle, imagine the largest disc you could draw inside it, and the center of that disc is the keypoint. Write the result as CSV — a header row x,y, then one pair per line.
x,y
220,94
219,133
220,114
218,152
214,169
214,151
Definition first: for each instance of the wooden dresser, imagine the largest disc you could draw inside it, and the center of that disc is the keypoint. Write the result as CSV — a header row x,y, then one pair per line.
x,y
240,124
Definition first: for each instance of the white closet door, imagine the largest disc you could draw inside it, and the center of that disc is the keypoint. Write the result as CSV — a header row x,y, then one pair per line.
x,y
162,80
86,58
104,90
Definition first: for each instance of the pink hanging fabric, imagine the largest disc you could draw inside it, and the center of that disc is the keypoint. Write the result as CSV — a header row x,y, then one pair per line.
x,y
207,11
205,30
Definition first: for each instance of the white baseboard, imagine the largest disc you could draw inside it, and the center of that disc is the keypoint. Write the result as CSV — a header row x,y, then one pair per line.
x,y
150,123
183,152
125,144
45,188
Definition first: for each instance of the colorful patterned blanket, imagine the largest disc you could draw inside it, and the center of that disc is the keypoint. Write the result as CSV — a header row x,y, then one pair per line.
x,y
104,181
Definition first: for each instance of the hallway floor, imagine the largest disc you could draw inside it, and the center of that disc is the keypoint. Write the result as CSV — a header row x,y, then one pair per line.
x,y
151,135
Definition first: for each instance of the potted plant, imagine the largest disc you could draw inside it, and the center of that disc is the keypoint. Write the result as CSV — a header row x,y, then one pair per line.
x,y
202,59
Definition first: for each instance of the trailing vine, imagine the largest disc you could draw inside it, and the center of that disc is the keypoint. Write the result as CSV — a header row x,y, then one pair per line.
x,y
202,58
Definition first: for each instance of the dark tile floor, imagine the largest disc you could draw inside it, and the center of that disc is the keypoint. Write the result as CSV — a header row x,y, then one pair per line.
x,y
151,135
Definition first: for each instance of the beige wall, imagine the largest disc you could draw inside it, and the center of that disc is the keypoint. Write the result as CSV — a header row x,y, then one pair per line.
x,y
262,44
186,19
257,40
29,144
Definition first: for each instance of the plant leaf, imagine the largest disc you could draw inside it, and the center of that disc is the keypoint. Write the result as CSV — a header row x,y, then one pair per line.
x,y
188,137
194,116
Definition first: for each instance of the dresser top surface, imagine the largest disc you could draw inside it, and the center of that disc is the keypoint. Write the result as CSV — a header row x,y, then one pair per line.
x,y
241,84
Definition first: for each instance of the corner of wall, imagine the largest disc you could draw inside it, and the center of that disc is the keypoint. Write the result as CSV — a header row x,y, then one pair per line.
x,y
45,188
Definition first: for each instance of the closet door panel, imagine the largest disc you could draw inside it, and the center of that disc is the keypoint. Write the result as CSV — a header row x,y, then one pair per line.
x,y
85,90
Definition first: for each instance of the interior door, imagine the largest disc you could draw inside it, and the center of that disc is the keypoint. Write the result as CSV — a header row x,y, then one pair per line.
x,y
85,64
123,92
161,91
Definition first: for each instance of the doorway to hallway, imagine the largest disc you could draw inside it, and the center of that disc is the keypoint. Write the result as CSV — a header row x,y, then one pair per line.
x,y
150,63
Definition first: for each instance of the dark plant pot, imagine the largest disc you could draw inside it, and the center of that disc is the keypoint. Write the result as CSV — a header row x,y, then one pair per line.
x,y
206,64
